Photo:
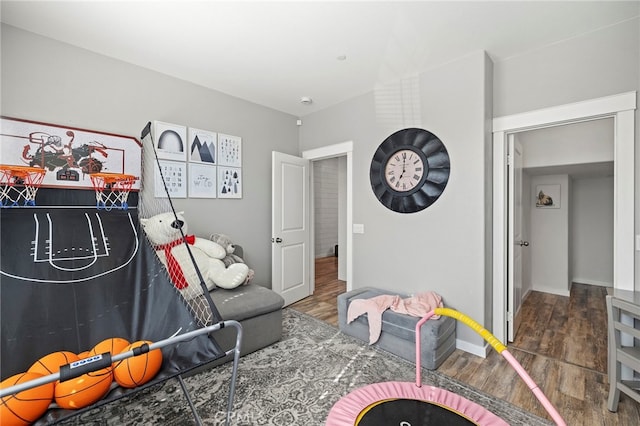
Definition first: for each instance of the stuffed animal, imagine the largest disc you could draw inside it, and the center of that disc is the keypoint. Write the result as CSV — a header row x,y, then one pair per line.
x,y
164,232
231,258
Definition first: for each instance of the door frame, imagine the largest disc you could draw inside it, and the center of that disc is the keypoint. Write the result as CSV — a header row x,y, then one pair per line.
x,y
330,151
621,108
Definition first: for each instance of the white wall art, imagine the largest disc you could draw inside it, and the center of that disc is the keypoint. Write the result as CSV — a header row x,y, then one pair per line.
x,y
547,196
170,141
203,146
202,181
229,182
229,150
174,174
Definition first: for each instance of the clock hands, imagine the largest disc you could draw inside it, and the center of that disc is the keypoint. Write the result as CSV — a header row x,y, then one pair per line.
x,y
404,161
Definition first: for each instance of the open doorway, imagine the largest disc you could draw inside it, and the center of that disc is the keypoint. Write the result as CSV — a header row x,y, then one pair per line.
x,y
331,274
328,186
567,220
619,107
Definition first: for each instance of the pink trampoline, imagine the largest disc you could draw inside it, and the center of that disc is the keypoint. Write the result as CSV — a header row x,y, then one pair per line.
x,y
406,404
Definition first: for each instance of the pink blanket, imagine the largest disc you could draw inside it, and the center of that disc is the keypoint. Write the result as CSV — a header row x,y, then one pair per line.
x,y
417,306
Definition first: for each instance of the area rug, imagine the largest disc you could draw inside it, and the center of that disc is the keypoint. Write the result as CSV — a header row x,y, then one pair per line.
x,y
293,382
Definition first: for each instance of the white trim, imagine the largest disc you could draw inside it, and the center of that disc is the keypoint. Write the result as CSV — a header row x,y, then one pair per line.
x,y
621,108
550,290
578,280
479,350
609,105
338,150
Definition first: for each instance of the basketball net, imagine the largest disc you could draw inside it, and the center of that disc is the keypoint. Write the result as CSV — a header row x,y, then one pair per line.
x,y
19,185
112,190
196,296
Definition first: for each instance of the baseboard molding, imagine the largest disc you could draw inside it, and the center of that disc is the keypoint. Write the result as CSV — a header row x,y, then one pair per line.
x,y
479,350
592,282
552,290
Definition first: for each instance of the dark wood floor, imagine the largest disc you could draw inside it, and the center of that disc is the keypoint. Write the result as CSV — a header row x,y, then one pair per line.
x,y
561,342
322,304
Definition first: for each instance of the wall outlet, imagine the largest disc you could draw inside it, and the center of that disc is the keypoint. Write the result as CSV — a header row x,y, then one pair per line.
x,y
358,228
637,242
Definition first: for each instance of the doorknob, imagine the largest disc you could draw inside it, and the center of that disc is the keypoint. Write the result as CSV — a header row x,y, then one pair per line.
x,y
276,240
523,243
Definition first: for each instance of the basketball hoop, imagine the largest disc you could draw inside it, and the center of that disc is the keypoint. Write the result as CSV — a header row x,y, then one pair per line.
x,y
19,185
112,190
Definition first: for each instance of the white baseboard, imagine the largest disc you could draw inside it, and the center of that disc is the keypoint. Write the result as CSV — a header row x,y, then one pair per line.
x,y
592,282
552,290
479,350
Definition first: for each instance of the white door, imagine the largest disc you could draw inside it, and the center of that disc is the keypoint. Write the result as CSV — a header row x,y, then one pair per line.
x,y
290,227
515,239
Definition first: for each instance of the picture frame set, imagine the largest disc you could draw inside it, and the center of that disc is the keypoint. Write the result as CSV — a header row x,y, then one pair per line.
x,y
197,163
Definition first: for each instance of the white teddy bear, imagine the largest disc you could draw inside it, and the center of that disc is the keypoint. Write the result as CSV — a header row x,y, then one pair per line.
x,y
163,230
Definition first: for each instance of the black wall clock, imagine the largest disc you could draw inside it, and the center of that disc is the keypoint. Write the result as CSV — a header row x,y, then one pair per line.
x,y
409,170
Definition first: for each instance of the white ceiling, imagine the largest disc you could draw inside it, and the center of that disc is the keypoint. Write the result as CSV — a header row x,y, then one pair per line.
x,y
274,53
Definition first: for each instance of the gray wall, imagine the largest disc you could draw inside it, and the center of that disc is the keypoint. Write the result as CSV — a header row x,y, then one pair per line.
x,y
441,248
591,230
446,247
549,238
48,81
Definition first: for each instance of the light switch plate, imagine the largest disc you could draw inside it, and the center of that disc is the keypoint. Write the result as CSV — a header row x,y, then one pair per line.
x,y
358,228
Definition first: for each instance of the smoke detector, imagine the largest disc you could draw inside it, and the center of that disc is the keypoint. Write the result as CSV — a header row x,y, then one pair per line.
x,y
306,100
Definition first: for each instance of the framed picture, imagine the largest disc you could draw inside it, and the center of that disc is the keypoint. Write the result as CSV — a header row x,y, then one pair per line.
x,y
202,181
203,146
170,141
69,155
229,182
229,150
175,177
547,196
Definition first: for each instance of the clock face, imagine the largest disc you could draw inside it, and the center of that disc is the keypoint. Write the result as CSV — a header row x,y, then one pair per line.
x,y
409,170
404,170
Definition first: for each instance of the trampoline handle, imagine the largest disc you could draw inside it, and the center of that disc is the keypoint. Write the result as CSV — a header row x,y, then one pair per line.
x,y
498,346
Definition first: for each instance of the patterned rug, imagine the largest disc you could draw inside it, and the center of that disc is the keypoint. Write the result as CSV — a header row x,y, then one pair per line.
x,y
293,382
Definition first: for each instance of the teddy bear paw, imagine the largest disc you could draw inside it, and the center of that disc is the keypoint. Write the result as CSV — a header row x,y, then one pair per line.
x,y
231,277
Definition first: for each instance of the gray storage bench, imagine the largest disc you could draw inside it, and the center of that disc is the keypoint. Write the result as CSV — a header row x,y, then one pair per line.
x,y
259,311
438,337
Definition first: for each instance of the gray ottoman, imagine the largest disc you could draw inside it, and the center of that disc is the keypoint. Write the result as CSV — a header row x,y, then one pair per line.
x,y
257,309
437,337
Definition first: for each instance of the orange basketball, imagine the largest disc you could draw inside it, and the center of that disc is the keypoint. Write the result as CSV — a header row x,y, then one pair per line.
x,y
82,390
137,370
113,345
52,362
83,355
27,406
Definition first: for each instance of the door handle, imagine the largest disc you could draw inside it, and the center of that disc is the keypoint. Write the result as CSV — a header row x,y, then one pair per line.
x,y
276,240
523,243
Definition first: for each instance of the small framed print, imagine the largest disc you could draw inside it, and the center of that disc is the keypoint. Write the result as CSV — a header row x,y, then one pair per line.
x,y
202,181
548,196
229,182
170,141
203,146
229,150
175,178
